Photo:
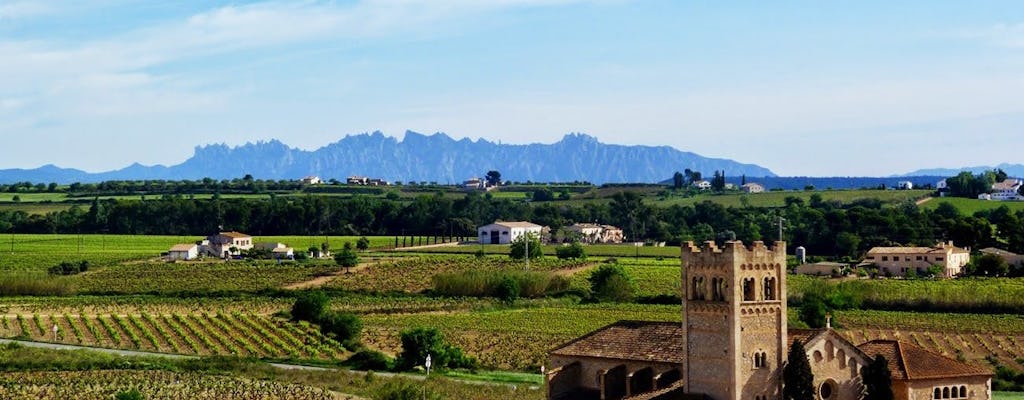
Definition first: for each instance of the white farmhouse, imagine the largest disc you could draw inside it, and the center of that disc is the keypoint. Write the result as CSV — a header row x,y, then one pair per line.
x,y
905,185
185,252
506,232
311,180
1008,189
227,244
752,188
702,185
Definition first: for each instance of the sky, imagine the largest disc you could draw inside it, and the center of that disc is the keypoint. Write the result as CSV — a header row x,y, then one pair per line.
x,y
866,88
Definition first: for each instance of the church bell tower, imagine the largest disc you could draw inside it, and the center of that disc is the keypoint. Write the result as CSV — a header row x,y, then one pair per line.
x,y
734,319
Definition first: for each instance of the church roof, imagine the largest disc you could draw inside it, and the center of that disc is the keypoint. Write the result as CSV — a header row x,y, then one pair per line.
x,y
631,340
907,361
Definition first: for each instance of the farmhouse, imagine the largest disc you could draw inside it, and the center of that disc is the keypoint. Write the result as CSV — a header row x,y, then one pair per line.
x,y
1008,189
595,233
474,183
752,188
226,244
277,250
1011,258
702,185
896,261
365,181
311,180
733,342
185,252
506,232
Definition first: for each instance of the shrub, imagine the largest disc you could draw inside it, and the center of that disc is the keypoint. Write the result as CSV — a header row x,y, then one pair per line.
x,y
309,306
69,268
129,395
363,243
417,343
345,327
573,251
508,290
610,282
370,360
518,249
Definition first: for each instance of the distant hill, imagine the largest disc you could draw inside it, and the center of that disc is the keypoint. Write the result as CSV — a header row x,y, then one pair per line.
x,y
1010,169
418,157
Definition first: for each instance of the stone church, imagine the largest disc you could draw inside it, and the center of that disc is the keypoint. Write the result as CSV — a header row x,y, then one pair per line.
x,y
734,340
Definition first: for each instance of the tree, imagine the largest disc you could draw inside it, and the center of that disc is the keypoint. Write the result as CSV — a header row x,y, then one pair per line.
x,y
678,180
418,342
718,181
493,178
518,249
347,257
309,306
509,289
610,282
363,243
989,265
877,379
574,251
344,326
813,310
797,379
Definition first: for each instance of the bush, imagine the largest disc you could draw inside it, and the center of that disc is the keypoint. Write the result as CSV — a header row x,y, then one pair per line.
x,y
309,306
129,395
363,243
518,249
508,290
345,327
69,268
370,360
610,282
573,251
417,343
531,284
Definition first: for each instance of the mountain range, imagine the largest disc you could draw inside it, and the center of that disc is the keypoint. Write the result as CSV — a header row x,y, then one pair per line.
x,y
417,157
1010,169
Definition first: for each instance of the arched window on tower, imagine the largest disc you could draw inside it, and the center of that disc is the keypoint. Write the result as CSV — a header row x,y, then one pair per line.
x,y
963,391
748,289
769,289
718,289
699,291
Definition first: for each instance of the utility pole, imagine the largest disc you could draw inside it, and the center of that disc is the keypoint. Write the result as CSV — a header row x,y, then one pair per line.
x,y
780,227
527,237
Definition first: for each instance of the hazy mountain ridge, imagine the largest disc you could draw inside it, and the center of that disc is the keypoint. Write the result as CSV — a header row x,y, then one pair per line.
x,y
418,157
1010,169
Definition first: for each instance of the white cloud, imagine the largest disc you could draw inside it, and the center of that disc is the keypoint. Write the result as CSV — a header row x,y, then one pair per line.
x,y
1004,35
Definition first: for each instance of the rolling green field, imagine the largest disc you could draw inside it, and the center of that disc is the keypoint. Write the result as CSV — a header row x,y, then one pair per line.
x,y
971,206
778,199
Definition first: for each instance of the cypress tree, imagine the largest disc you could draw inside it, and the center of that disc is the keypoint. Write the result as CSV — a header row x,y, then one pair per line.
x,y
877,379
797,379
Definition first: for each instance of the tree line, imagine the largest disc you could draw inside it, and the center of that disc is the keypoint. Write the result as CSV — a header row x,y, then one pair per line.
x,y
827,228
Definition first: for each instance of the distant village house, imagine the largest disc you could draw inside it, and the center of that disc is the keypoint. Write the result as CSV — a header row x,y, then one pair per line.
x,y
311,180
226,244
823,268
183,252
595,233
897,261
506,232
278,251
365,181
752,188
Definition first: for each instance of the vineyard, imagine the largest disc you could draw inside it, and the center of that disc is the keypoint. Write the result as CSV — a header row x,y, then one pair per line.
x,y
593,250
151,385
970,337
515,339
204,334
414,275
238,276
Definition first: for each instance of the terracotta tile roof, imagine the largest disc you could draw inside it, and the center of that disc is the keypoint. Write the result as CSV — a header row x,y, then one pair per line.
x,y
182,247
998,252
1008,184
804,335
235,235
908,362
631,340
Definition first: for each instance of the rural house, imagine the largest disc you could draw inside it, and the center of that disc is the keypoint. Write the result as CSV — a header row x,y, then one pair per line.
x,y
823,268
184,252
227,244
595,233
752,188
896,261
1011,258
311,180
1008,189
734,341
506,232
278,251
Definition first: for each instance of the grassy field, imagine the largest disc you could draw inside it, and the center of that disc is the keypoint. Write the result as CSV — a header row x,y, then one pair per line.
x,y
971,206
592,250
778,199
1007,395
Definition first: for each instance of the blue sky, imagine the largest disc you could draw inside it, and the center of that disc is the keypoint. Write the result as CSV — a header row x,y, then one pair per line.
x,y
803,88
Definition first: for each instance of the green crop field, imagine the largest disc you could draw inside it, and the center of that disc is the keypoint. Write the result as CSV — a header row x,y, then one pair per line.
x,y
592,250
971,206
240,276
36,208
778,199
